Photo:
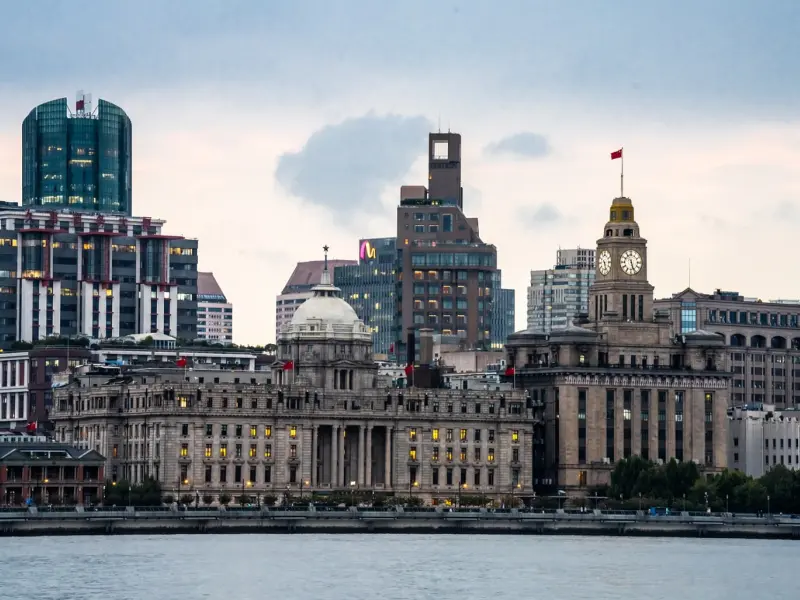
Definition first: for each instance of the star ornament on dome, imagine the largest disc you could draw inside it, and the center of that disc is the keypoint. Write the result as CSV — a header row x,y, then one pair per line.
x,y
325,248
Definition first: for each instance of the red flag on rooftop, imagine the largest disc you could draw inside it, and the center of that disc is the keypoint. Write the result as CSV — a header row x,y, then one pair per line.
x,y
409,369
510,371
288,365
181,362
32,427
616,154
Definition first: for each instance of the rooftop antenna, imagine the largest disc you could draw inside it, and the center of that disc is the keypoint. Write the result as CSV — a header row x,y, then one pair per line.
x,y
439,127
690,272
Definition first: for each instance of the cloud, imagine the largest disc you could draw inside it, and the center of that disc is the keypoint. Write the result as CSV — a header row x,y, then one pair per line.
x,y
541,216
525,144
345,167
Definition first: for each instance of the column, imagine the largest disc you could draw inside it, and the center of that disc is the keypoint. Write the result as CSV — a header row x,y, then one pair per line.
x,y
334,455
342,441
387,473
361,432
368,458
313,476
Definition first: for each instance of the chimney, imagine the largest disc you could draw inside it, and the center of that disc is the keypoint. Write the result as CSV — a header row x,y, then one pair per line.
x,y
410,348
426,346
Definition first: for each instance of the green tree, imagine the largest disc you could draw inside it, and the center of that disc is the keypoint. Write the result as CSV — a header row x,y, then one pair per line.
x,y
780,485
224,499
208,499
269,500
187,499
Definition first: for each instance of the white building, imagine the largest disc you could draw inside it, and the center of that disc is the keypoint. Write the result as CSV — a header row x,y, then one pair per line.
x,y
298,289
762,437
14,379
214,312
556,296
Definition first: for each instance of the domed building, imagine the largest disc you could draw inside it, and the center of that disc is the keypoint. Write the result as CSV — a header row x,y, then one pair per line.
x,y
326,345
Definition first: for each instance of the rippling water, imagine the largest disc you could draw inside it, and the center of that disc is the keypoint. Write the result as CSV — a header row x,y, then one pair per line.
x,y
394,567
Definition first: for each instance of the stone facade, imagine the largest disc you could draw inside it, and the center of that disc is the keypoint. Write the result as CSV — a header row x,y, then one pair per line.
x,y
326,425
623,382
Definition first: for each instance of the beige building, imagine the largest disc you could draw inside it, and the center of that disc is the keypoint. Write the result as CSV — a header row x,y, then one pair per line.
x,y
623,381
326,425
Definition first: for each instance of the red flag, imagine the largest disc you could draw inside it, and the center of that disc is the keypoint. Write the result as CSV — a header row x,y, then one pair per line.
x,y
409,369
32,427
510,371
616,155
79,104
181,362
391,347
288,366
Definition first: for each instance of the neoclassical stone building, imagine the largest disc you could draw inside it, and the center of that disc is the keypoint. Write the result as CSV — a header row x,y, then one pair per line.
x,y
623,380
320,421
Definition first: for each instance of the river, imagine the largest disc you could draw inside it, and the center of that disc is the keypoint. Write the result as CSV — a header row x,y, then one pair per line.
x,y
394,567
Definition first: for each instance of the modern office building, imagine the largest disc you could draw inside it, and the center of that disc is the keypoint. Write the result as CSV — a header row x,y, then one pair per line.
x,y
447,275
214,312
66,273
762,437
556,296
77,159
369,287
763,339
298,288
624,381
503,317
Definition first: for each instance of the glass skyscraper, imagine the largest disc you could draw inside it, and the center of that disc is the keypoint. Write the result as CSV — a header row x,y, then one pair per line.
x,y
78,160
369,287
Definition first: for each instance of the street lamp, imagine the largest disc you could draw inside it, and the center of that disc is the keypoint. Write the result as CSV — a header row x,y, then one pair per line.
x,y
352,493
464,486
245,484
516,486
411,486
769,512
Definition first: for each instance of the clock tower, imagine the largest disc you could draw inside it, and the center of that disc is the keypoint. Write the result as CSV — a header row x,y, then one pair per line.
x,y
621,291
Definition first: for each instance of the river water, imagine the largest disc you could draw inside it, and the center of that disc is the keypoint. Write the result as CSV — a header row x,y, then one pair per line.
x,y
394,567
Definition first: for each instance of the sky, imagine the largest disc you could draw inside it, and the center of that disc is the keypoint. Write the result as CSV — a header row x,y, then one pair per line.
x,y
268,129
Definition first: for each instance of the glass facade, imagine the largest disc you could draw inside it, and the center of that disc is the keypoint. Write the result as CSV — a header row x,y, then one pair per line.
x,y
369,287
688,317
503,315
78,161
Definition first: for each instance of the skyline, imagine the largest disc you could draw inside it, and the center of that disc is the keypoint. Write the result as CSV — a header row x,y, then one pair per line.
x,y
309,115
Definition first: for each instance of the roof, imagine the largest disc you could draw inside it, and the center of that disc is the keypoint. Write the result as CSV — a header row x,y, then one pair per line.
x,y
207,285
26,452
308,274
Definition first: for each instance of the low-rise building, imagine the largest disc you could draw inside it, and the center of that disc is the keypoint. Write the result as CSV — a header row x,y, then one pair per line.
x,y
35,470
762,437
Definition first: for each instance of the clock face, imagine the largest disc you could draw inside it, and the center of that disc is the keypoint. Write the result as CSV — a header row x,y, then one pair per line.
x,y
604,262
630,262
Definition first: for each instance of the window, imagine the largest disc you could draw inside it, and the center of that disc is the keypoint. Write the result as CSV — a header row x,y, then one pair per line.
x,y
477,478
449,435
477,435
515,435
208,474
223,450
223,431
412,434
435,477
491,435
435,435
208,450
238,451
183,401
209,429
223,474
462,435
238,431
515,455
293,432
185,429
253,450
293,451
435,454
490,455
412,453
449,454
184,450
268,451
268,474
477,453
253,431
490,478
462,455
293,475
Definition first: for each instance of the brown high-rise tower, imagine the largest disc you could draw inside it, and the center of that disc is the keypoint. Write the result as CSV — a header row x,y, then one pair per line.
x,y
447,276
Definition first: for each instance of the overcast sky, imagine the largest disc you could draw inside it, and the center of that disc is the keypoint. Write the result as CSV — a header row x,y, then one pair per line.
x,y
267,129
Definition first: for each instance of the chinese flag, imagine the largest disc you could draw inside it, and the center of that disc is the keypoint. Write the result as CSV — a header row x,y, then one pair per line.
x,y
617,154
409,369
288,366
32,427
391,347
79,104
510,371
181,362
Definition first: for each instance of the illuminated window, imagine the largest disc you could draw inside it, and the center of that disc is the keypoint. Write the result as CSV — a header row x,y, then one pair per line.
x,y
462,435
184,449
412,434
412,453
208,450
490,455
267,431
449,435
253,431
449,454
183,401
462,456
435,435
253,451
109,293
435,455
293,431
268,451
515,435
223,450
115,451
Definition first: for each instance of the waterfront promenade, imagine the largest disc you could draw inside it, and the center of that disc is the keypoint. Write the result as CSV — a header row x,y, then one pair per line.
x,y
130,520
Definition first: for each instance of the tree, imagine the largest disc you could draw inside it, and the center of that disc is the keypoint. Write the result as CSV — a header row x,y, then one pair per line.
x,y
169,499
224,499
208,499
244,500
187,499
269,500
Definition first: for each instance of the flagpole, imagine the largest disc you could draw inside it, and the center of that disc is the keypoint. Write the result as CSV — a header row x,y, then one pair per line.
x,y
622,173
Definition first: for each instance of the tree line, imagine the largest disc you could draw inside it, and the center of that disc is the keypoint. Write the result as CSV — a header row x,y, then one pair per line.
x,y
638,482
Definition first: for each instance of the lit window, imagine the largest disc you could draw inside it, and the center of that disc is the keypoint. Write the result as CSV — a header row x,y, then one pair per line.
x,y
412,434
412,453
462,435
223,450
462,456
293,431
267,431
435,435
253,451
184,449
490,455
515,435
183,401
435,455
208,450
449,454
268,451
253,431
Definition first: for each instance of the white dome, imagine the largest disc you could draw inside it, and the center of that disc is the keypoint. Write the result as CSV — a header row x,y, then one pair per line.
x,y
325,309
